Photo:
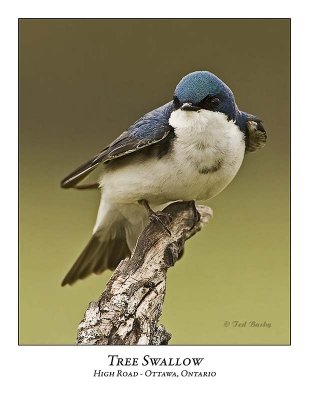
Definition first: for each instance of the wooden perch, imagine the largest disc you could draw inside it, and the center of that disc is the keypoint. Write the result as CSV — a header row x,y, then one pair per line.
x,y
129,309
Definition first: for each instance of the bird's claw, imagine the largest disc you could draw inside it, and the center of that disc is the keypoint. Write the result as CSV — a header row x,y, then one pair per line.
x,y
157,216
162,218
196,214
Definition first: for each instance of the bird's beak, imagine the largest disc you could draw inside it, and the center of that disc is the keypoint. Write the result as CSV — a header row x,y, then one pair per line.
x,y
189,107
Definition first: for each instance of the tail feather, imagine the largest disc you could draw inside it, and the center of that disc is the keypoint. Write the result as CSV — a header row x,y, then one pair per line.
x,y
103,251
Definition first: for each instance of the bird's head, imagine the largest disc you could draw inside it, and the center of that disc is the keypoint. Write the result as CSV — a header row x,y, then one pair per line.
x,y
202,90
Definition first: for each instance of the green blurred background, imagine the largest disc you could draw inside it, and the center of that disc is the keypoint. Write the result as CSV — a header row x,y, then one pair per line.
x,y
82,82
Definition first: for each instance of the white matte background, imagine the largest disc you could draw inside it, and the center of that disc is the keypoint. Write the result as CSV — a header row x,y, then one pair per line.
x,y
66,372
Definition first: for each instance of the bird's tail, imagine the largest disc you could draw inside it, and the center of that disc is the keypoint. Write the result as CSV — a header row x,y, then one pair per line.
x,y
106,248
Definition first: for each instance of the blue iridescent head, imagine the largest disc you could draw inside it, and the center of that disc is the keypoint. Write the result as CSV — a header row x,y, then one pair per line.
x,y
204,90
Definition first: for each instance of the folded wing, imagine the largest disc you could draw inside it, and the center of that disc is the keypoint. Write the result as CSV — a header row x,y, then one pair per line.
x,y
148,130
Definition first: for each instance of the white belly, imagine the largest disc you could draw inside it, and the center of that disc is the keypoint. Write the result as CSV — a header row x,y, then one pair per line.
x,y
207,153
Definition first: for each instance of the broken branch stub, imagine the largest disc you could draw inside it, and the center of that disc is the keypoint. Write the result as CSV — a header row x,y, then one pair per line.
x,y
128,311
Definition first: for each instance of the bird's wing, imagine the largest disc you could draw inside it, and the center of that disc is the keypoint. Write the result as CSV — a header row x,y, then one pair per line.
x,y
148,130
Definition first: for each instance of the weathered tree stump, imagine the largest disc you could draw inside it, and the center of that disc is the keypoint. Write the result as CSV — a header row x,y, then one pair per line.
x,y
129,309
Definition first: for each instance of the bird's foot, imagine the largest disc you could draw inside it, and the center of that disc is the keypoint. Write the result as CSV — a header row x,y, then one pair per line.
x,y
160,217
196,214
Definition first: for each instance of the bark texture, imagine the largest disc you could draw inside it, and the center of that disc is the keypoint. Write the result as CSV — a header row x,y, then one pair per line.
x,y
128,311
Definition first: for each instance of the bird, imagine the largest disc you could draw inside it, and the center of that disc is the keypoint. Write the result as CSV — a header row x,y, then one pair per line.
x,y
188,149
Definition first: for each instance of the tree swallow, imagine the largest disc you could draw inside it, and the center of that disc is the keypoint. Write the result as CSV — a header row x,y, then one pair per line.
x,y
188,149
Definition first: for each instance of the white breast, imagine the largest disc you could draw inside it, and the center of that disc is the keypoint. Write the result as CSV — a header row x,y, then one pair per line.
x,y
210,147
206,155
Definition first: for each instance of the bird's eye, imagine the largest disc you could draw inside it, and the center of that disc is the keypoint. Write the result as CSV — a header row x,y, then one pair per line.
x,y
176,102
210,102
215,102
